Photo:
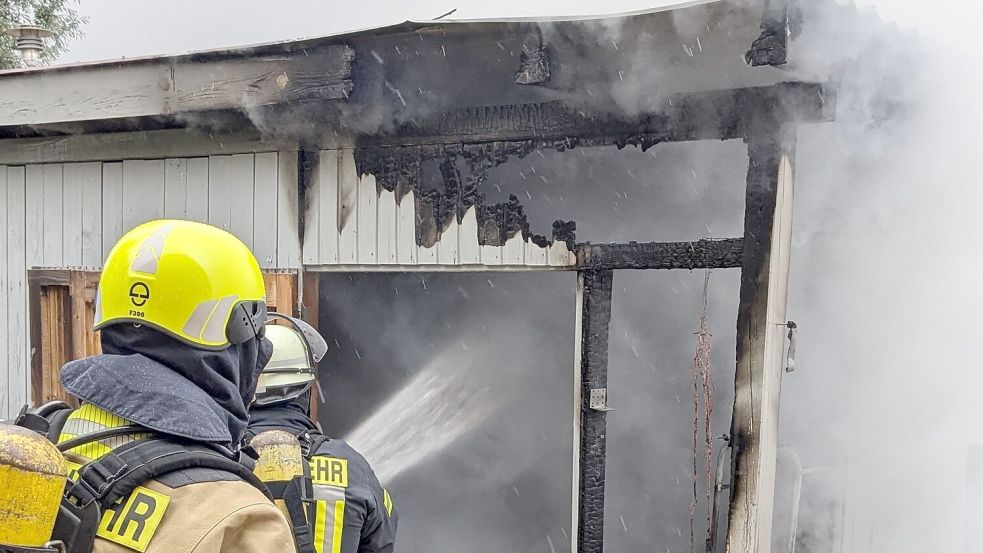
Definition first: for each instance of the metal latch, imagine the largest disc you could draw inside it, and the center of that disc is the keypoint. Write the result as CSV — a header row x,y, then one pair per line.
x,y
793,330
599,400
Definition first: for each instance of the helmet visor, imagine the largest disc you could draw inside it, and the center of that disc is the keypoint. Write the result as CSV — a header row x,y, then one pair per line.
x,y
281,385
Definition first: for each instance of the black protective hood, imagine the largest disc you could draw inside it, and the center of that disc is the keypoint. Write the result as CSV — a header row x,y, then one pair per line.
x,y
163,384
291,416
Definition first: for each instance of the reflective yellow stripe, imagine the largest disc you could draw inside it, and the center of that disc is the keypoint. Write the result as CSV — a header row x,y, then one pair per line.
x,y
87,419
329,511
339,525
387,501
319,526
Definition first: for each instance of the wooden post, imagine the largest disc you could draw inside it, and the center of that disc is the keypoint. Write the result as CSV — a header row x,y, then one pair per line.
x,y
590,421
760,339
309,311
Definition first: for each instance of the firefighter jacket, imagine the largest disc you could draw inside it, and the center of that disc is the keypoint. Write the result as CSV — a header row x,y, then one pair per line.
x,y
191,510
352,512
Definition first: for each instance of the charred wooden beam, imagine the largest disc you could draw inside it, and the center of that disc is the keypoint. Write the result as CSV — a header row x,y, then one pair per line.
x,y
534,67
704,254
162,87
760,339
710,115
771,48
590,409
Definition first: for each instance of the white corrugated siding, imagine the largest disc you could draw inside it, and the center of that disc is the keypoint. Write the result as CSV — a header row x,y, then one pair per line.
x,y
71,214
356,225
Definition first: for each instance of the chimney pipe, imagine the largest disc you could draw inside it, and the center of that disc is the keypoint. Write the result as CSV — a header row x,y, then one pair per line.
x,y
30,42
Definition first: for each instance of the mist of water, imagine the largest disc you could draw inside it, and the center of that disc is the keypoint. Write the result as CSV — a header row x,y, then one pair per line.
x,y
435,408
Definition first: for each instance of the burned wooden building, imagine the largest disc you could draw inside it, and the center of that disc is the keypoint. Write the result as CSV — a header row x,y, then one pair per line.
x,y
370,151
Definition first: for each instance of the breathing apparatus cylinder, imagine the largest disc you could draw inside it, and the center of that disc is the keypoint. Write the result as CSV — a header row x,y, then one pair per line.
x,y
32,481
280,459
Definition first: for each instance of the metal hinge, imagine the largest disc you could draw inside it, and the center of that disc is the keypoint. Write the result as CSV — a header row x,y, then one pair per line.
x,y
599,400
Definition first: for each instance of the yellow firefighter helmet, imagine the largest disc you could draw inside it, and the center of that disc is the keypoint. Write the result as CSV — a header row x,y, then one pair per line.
x,y
190,280
292,369
32,481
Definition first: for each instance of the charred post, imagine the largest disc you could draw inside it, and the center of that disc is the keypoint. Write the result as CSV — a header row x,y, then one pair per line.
x,y
594,298
760,325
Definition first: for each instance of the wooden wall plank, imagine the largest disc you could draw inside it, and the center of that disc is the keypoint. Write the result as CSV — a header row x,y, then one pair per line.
x,y
514,251
5,338
265,211
176,188
368,221
535,255
71,216
348,211
53,216
559,255
112,205
143,192
406,231
288,212
448,245
34,225
388,221
219,190
427,256
326,218
197,189
91,180
470,251
310,251
491,255
16,312
242,198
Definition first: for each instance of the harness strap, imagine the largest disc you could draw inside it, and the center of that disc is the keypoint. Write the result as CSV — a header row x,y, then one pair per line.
x,y
120,471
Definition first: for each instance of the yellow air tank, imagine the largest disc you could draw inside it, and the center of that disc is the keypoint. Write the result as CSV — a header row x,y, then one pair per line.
x,y
32,481
280,459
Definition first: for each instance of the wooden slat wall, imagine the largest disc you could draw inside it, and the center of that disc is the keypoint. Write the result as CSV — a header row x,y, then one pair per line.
x,y
357,225
64,215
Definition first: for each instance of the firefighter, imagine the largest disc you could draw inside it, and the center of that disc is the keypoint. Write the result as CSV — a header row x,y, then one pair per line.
x,y
181,311
351,511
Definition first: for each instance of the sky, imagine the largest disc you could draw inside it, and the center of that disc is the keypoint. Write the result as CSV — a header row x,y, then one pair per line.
x,y
127,29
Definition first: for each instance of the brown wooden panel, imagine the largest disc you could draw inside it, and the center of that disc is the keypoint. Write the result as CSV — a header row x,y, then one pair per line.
x,y
55,307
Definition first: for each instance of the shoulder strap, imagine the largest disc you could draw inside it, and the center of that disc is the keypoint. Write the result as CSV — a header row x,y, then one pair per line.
x,y
120,471
310,442
47,420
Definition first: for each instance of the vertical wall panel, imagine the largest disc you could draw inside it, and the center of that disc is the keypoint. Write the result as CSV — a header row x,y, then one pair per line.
x,y
176,188
91,179
52,216
368,220
143,192
406,233
470,253
388,221
265,209
535,255
71,236
242,197
197,190
34,225
219,191
4,336
112,205
312,213
447,246
16,314
348,211
326,203
513,252
288,210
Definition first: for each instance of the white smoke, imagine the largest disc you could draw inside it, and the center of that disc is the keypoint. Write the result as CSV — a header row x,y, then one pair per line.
x,y
885,288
